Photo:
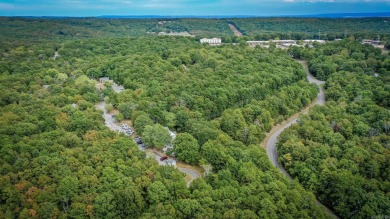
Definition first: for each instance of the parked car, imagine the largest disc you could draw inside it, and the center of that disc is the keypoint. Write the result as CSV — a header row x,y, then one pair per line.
x,y
138,140
163,158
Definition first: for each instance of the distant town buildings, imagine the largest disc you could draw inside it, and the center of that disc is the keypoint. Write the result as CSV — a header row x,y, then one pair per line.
x,y
213,41
185,34
371,42
283,43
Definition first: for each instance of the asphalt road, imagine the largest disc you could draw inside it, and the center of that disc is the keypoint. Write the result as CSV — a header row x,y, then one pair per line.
x,y
110,123
277,130
108,119
189,172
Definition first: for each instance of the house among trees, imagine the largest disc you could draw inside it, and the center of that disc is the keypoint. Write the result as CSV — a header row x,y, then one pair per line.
x,y
105,79
173,137
371,42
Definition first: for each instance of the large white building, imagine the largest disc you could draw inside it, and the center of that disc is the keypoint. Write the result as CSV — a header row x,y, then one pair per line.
x,y
214,41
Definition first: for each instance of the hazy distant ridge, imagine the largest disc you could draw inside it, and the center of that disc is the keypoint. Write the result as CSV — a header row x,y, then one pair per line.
x,y
335,15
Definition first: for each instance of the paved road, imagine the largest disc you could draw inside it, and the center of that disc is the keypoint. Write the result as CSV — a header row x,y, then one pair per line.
x,y
189,172
270,142
109,120
110,123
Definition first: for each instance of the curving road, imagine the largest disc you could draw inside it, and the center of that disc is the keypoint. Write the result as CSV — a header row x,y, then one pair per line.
x,y
272,137
270,141
189,172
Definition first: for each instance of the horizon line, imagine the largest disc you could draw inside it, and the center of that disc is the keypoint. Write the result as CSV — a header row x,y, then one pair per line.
x,y
323,15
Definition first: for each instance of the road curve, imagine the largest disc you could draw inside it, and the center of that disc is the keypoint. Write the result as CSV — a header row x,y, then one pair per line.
x,y
272,137
194,174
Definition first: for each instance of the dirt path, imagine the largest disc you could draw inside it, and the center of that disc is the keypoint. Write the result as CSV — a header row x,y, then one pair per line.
x,y
271,139
234,29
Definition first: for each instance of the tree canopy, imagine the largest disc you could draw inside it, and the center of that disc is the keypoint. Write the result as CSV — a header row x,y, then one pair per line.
x,y
341,151
58,159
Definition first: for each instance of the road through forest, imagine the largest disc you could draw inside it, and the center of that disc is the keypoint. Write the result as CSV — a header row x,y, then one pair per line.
x,y
271,139
235,30
109,121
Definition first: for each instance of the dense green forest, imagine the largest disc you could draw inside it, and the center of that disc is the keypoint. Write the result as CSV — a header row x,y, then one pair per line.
x,y
16,28
313,28
341,151
59,160
71,28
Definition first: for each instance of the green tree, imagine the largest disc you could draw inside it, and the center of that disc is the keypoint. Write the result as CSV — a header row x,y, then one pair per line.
x,y
233,123
126,109
158,192
141,122
156,136
105,205
387,45
186,148
67,189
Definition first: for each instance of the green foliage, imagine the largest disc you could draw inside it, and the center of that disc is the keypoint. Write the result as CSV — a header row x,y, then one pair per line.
x,y
68,188
59,160
387,45
119,117
158,192
233,123
141,122
126,108
340,151
186,148
156,136
308,28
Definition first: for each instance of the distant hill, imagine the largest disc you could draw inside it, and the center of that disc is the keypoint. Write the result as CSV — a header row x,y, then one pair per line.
x,y
175,16
348,15
334,15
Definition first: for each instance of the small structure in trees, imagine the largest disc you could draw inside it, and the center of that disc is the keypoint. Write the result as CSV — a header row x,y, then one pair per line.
x,y
213,41
173,137
105,79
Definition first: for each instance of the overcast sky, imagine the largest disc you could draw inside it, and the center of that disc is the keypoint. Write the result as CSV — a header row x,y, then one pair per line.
x,y
187,7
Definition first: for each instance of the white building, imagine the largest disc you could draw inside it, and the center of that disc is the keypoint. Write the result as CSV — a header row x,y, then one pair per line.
x,y
213,41
372,42
173,137
312,41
